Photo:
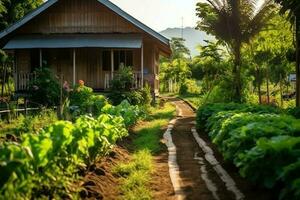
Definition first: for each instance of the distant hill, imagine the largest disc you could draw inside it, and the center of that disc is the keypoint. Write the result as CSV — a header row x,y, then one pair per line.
x,y
192,36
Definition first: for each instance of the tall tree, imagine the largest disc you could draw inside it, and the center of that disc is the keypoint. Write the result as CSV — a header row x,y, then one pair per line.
x,y
293,9
234,22
179,50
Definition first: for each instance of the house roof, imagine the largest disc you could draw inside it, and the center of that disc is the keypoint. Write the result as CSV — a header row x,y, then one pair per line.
x,y
75,41
106,3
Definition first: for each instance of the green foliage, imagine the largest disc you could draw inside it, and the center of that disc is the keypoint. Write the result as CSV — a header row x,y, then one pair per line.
x,y
58,151
82,100
279,151
179,50
45,88
295,111
260,140
123,80
130,113
13,10
234,23
50,156
146,95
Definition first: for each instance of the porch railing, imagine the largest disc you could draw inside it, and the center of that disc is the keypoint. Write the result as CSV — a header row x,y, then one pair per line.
x,y
137,79
22,80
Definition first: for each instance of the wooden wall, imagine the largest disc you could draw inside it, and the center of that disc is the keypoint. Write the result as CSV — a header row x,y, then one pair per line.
x,y
85,16
23,61
78,16
89,66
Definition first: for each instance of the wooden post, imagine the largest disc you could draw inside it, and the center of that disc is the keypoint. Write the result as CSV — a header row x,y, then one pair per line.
x,y
112,63
41,58
142,65
74,67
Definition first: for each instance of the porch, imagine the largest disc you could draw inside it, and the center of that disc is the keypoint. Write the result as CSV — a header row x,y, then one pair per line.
x,y
96,60
22,80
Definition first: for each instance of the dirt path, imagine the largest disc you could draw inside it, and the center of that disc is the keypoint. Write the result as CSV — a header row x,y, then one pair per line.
x,y
201,172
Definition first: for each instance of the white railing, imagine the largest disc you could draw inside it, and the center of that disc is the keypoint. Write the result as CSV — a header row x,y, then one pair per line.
x,y
137,79
22,80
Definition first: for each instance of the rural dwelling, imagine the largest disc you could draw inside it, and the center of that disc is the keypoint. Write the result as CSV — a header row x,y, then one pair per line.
x,y
84,40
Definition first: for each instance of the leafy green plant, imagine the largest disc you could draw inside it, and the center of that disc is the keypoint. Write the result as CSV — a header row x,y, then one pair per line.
x,y
261,141
129,113
45,88
47,161
278,151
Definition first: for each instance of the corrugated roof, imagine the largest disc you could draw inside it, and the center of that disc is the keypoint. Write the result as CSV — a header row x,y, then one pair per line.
x,y
75,41
106,3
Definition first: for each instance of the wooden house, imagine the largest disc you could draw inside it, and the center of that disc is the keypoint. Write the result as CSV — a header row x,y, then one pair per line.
x,y
84,40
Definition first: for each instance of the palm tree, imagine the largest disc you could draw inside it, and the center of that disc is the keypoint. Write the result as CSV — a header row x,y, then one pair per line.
x,y
293,7
234,22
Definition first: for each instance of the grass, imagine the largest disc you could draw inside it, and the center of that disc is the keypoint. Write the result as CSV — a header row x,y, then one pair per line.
x,y
30,124
136,173
195,99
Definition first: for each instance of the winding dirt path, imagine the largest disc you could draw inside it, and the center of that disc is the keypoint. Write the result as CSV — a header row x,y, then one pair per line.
x,y
196,169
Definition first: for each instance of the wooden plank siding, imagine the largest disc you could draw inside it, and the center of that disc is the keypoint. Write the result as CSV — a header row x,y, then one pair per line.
x,y
85,17
78,16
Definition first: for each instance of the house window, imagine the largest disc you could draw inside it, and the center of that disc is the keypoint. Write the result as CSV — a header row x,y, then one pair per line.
x,y
106,60
121,57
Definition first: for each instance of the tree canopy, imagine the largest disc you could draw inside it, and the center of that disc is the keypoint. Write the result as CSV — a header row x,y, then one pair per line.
x,y
234,23
13,10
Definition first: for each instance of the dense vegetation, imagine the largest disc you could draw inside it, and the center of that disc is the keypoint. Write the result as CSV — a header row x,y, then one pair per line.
x,y
262,141
46,160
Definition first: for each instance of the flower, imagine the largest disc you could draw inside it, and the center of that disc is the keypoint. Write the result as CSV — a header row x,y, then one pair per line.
x,y
81,83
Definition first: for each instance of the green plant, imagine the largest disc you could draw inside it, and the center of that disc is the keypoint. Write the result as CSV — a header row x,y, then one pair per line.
x,y
45,88
123,80
130,113
146,95
278,151
260,140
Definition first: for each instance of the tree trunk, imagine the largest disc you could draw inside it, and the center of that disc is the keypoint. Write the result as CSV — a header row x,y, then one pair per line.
x,y
258,81
268,88
237,74
297,27
281,92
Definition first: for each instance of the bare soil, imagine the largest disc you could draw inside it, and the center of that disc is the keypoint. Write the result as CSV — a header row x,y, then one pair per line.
x,y
192,183
100,183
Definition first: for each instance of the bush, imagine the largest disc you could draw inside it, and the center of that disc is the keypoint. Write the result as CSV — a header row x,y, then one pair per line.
x,y
206,111
134,97
123,80
45,88
140,97
48,163
265,162
83,100
183,90
260,140
294,112
129,112
146,95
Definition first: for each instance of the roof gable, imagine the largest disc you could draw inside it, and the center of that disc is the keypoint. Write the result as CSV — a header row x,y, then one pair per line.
x,y
106,3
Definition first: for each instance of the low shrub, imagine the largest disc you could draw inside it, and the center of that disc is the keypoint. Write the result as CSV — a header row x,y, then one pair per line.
x,y
262,141
130,113
295,111
82,100
45,88
47,163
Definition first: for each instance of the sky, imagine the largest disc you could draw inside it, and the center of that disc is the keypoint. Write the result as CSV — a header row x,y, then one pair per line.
x,y
161,14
